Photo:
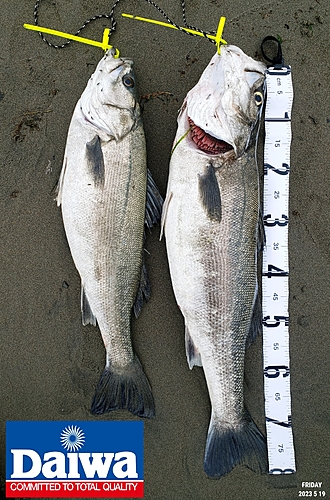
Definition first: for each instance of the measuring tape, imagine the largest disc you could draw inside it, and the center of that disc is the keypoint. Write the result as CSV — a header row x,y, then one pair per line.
x,y
275,270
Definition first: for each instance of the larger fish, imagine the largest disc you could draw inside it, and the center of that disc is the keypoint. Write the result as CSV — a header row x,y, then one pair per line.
x,y
211,220
103,190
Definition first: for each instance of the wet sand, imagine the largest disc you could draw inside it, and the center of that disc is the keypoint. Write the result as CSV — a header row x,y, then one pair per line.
x,y
50,363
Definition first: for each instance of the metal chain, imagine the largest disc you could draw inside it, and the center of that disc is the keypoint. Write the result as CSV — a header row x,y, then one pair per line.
x,y
114,23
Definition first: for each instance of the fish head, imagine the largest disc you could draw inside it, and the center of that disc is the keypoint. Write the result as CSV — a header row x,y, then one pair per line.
x,y
224,108
109,101
116,83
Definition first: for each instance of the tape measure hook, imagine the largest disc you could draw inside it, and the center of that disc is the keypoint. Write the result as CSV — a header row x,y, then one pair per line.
x,y
269,41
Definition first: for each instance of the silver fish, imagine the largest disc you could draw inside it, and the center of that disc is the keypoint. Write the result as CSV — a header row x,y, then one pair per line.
x,y
107,195
211,224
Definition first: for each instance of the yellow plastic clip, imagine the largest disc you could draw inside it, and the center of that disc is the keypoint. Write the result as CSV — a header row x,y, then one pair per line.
x,y
217,38
103,45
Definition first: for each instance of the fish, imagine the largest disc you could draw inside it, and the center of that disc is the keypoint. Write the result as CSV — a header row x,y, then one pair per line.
x,y
213,231
108,198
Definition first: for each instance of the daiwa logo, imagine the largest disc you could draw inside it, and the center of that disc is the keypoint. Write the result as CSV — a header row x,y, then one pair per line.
x,y
72,438
85,459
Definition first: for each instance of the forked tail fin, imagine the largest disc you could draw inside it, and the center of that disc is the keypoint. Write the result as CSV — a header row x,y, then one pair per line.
x,y
127,388
228,446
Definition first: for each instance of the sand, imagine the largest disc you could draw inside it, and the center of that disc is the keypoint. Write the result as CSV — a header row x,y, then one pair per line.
x,y
50,363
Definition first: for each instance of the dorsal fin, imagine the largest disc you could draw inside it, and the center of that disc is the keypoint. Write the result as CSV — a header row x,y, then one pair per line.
x,y
143,293
154,203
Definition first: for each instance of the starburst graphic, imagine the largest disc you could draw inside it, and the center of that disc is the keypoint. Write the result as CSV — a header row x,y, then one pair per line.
x,y
72,438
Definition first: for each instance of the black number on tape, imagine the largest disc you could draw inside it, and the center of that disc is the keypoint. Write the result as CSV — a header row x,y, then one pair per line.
x,y
279,171
278,422
273,323
281,471
276,222
274,271
275,371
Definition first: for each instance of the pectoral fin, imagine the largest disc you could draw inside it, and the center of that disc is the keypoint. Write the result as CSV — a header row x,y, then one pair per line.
x,y
95,160
210,193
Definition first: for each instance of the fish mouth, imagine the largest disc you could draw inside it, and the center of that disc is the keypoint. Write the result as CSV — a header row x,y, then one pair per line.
x,y
206,142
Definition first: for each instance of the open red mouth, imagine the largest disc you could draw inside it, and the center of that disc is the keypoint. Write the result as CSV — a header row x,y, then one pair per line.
x,y
206,142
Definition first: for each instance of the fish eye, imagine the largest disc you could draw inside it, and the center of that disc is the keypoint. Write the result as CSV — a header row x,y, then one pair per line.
x,y
258,98
128,81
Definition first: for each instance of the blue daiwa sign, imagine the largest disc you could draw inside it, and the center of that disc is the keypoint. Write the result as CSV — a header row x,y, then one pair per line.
x,y
71,459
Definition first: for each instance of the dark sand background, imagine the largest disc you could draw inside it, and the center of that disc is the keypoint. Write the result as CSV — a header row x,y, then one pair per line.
x,y
50,363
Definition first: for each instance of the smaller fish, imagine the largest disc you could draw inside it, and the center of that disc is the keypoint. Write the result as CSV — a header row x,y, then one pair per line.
x,y
107,197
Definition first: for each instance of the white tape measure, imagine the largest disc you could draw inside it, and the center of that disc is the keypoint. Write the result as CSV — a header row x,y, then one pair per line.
x,y
275,270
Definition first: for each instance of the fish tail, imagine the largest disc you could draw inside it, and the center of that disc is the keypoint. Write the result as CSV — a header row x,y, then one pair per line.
x,y
126,388
228,446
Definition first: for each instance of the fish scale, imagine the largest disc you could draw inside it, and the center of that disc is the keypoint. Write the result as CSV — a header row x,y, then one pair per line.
x,y
231,285
119,223
110,295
